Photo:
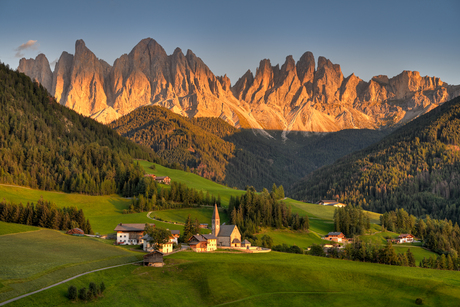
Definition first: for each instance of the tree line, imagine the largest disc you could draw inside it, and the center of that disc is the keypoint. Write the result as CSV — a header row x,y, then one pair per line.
x,y
440,236
351,221
151,196
415,168
254,210
44,214
44,145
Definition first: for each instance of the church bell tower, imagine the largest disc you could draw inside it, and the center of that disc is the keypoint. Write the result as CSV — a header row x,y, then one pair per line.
x,y
215,222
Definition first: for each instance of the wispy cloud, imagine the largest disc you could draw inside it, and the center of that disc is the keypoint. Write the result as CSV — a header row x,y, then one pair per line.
x,y
31,44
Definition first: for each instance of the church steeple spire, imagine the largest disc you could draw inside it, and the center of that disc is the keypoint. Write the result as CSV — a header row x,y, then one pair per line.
x,y
215,222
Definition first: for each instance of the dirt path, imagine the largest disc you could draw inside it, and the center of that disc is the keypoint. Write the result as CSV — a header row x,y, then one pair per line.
x,y
173,223
61,282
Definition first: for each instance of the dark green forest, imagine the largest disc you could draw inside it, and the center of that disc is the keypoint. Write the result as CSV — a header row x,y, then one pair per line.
x,y
44,214
416,168
47,146
237,157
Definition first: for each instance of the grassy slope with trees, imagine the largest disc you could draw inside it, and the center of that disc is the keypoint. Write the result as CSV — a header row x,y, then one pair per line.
x,y
416,168
215,150
48,146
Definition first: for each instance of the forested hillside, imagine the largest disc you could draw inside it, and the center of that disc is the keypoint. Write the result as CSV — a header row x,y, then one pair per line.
x,y
416,168
238,157
48,146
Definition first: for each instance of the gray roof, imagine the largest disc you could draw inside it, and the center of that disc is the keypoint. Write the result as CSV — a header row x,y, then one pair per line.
x,y
209,237
334,233
175,232
246,242
236,241
199,238
131,227
226,230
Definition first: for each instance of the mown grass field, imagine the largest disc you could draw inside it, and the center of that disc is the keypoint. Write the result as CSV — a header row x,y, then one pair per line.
x,y
34,259
273,279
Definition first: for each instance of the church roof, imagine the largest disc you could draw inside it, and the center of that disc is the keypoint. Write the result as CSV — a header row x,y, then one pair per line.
x,y
215,214
226,230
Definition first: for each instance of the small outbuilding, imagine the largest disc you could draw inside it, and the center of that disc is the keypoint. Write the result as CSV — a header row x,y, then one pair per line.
x,y
246,243
75,231
154,258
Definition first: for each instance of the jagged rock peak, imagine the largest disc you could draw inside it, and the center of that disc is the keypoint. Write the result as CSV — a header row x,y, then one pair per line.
x,y
306,67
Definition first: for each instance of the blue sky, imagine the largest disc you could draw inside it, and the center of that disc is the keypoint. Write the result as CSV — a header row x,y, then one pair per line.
x,y
365,37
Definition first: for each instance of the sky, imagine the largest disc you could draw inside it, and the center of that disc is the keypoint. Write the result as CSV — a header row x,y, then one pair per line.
x,y
366,38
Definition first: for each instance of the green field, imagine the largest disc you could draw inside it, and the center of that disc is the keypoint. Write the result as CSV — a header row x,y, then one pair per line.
x,y
300,238
103,212
204,215
273,279
193,181
31,260
9,228
379,237
323,212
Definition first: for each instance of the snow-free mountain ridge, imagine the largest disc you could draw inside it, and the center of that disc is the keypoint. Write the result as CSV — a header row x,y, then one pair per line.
x,y
299,96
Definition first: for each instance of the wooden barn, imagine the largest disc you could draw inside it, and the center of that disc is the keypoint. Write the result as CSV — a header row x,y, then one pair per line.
x,y
154,258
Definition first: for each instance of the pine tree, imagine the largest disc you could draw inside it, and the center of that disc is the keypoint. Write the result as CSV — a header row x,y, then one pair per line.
x,y
410,258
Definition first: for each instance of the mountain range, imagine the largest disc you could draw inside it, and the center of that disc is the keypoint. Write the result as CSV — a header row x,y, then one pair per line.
x,y
298,96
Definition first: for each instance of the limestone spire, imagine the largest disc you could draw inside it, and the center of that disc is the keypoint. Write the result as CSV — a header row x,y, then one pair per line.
x,y
215,222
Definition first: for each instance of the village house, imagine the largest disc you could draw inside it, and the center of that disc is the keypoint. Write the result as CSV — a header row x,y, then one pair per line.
x,y
331,203
164,248
405,238
175,234
163,179
203,243
130,234
154,259
227,235
336,237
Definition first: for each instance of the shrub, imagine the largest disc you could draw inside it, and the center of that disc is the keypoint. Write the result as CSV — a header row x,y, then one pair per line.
x,y
72,293
82,294
102,287
418,301
93,289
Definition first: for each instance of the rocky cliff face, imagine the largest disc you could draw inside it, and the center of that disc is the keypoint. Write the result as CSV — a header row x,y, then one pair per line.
x,y
298,96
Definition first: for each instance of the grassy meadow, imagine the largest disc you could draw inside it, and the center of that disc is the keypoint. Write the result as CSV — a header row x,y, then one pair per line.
x,y
273,279
192,181
204,215
10,228
35,259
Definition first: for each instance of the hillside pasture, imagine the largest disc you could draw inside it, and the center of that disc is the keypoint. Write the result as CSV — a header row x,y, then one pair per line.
x,y
204,215
10,228
31,260
193,181
273,279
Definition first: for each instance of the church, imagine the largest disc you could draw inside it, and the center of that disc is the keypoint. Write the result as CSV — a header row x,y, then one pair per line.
x,y
227,235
